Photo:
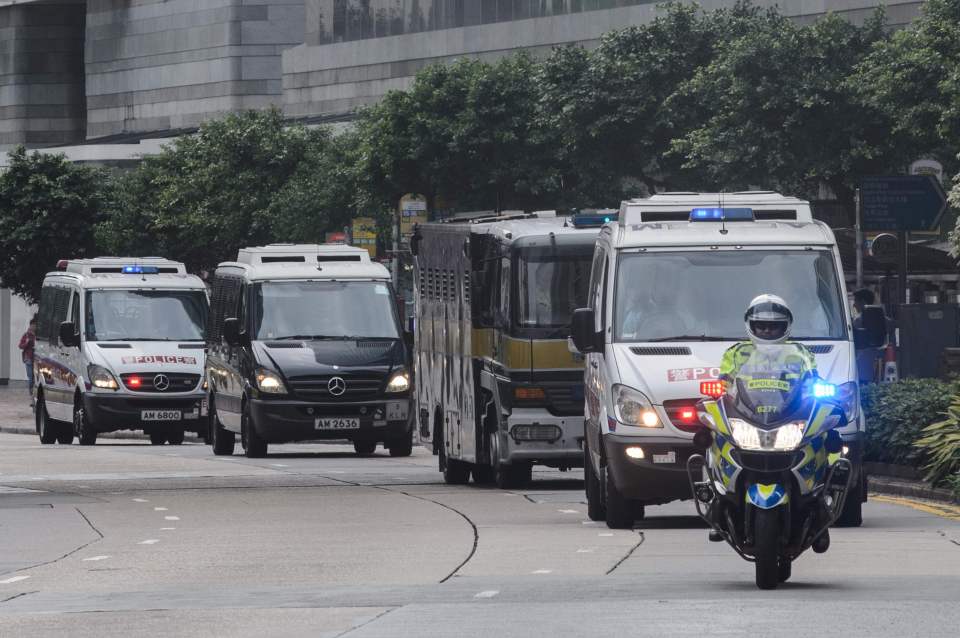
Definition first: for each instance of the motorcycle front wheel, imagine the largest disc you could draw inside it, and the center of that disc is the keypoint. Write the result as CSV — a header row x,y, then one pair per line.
x,y
767,548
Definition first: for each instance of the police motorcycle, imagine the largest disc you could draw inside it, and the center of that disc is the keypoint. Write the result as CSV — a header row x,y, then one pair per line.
x,y
773,480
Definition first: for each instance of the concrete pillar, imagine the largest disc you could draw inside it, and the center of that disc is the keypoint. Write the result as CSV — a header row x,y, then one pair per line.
x,y
41,74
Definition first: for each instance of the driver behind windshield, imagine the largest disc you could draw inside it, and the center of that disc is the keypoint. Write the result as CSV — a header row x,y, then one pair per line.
x,y
768,363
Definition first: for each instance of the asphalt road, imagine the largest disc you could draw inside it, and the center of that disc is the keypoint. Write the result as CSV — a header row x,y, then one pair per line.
x,y
127,539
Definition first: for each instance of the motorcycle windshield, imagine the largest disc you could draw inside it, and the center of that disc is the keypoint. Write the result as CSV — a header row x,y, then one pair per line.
x,y
768,386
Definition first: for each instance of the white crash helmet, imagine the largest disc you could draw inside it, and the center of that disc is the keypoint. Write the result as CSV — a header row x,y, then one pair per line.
x,y
768,319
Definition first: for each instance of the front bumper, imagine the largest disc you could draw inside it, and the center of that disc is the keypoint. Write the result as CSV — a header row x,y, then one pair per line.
x,y
280,421
558,439
110,412
656,478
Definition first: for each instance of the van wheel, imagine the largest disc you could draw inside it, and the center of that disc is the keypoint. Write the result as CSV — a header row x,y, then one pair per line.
x,y
158,437
65,435
175,437
595,509
254,447
507,476
402,447
852,513
222,441
620,510
364,447
46,428
82,427
455,472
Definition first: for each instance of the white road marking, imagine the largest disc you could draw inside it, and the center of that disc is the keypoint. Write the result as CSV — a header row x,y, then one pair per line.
x,y
543,571
590,522
140,500
568,511
585,550
279,465
605,534
83,487
149,541
490,593
177,518
159,509
167,529
93,558
13,579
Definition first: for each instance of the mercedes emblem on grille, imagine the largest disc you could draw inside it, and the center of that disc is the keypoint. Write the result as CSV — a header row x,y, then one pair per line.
x,y
337,386
161,382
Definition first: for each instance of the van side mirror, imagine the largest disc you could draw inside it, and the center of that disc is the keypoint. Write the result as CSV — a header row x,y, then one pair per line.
x,y
69,335
872,332
583,332
231,331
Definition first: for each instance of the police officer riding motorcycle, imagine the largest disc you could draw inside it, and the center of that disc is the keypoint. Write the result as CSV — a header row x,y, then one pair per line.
x,y
772,481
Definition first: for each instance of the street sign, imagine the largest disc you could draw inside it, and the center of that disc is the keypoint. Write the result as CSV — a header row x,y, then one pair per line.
x,y
902,202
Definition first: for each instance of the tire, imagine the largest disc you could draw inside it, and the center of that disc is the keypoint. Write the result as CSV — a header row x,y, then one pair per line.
x,y
403,447
65,435
454,472
222,440
620,510
507,476
46,427
254,447
157,438
784,570
175,437
364,448
82,427
852,513
483,475
591,485
766,539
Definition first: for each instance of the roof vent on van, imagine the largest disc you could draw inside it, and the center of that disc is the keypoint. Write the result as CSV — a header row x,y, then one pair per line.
x,y
301,254
283,259
329,258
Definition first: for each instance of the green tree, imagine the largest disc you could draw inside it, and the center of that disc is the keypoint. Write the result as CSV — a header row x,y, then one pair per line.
x,y
48,210
211,193
777,108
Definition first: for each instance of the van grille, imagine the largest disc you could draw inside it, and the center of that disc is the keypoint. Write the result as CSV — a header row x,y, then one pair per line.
x,y
662,351
359,387
176,382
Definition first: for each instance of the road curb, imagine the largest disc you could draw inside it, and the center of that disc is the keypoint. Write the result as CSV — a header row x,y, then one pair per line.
x,y
896,486
122,434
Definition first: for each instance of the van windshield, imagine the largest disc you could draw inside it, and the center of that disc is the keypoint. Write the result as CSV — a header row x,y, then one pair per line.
x,y
323,309
552,283
146,315
690,296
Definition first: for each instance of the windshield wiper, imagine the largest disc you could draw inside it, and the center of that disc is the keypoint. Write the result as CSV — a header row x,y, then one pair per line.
x,y
305,338
693,338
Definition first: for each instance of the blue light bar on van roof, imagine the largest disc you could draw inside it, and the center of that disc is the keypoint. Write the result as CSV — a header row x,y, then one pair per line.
x,y
721,215
594,220
140,270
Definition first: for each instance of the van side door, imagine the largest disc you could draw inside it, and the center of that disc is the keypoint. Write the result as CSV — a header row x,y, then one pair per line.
x,y
594,377
59,378
219,371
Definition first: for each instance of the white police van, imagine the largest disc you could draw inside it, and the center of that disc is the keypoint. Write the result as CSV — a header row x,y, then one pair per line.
x,y
670,283
120,346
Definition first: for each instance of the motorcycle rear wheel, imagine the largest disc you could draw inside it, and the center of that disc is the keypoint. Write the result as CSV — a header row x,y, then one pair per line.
x,y
767,548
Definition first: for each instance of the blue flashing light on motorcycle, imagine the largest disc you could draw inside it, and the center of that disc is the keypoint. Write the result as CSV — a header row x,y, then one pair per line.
x,y
823,390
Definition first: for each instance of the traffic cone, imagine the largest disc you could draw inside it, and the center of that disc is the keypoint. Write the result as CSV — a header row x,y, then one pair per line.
x,y
890,372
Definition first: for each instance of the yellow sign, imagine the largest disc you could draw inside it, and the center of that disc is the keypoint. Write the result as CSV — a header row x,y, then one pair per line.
x,y
364,234
413,211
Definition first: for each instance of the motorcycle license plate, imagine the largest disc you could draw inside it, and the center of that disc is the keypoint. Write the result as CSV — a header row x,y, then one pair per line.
x,y
161,415
669,457
337,424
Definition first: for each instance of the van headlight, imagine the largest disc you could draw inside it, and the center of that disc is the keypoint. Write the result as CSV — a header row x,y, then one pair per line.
x,y
785,438
269,382
399,381
101,378
634,408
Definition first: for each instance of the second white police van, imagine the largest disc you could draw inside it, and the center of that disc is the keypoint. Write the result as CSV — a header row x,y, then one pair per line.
x,y
670,283
120,346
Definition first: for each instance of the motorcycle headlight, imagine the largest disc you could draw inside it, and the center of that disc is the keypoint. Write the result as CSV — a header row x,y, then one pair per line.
x,y
269,382
399,381
785,438
101,378
632,407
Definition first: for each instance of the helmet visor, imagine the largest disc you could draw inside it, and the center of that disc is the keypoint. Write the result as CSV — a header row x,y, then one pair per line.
x,y
769,330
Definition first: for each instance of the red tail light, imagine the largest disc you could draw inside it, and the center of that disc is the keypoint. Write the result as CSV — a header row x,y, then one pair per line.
x,y
712,389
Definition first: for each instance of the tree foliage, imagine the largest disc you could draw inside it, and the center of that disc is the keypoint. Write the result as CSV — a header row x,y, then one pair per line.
x,y
48,210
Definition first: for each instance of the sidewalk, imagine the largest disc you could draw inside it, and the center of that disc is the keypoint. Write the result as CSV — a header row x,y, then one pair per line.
x,y
16,416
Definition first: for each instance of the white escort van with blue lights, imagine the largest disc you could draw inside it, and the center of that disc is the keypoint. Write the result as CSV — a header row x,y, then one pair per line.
x,y
671,281
120,347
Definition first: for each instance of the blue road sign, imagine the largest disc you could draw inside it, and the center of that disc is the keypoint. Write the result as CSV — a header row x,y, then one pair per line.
x,y
902,202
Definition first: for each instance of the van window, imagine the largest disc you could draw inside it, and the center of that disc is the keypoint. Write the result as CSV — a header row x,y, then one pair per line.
x,y
45,313
685,296
58,314
323,309
75,310
146,315
552,282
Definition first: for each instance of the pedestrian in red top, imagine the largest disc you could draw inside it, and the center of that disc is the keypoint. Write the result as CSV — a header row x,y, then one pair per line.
x,y
27,343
